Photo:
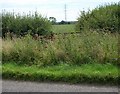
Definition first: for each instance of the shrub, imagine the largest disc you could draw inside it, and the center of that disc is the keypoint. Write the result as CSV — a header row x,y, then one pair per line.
x,y
22,24
103,18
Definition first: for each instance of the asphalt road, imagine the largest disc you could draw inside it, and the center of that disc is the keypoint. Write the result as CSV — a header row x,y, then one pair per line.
x,y
22,86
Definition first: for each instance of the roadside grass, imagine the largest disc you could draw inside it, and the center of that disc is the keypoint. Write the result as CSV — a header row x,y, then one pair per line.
x,y
63,28
86,73
86,47
88,57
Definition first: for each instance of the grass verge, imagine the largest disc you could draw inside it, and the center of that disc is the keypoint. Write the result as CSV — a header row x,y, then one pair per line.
x,y
86,73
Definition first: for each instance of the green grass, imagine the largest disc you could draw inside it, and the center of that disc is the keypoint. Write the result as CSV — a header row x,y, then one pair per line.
x,y
86,73
63,28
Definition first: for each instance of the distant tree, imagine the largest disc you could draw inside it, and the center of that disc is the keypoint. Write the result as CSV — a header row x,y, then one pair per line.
x,y
52,19
68,23
62,22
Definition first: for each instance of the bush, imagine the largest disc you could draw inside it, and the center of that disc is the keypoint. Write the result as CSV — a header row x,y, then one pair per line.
x,y
103,18
22,24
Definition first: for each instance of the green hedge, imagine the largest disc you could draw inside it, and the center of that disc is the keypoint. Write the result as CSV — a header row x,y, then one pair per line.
x,y
103,18
22,24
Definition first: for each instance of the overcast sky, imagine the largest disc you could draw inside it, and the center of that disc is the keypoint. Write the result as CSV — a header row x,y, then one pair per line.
x,y
52,8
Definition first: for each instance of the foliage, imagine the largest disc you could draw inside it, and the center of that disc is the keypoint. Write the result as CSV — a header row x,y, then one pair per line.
x,y
86,47
53,20
22,24
104,18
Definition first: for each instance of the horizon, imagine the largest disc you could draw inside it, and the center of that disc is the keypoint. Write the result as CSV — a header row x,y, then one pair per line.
x,y
53,8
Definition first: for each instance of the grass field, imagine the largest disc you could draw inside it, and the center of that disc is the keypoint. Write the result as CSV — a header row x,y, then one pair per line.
x,y
63,28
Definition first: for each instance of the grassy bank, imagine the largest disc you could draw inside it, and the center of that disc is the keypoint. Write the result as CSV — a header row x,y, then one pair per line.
x,y
86,73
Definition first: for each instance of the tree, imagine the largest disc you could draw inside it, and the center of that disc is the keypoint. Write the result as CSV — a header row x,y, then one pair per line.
x,y
62,22
52,19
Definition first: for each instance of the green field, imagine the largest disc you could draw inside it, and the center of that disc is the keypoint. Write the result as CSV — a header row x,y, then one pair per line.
x,y
63,28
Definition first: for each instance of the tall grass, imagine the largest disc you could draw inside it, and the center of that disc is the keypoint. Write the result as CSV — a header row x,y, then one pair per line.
x,y
87,47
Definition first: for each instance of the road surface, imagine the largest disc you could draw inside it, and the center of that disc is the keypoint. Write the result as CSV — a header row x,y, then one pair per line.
x,y
23,86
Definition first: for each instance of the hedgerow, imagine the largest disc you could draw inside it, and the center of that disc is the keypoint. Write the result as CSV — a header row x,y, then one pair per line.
x,y
22,24
103,18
